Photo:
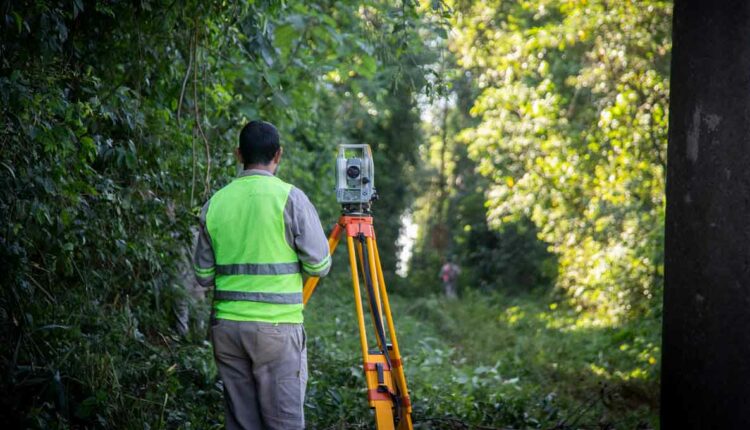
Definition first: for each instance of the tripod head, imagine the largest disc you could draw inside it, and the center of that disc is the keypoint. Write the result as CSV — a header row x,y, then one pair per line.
x,y
358,208
355,179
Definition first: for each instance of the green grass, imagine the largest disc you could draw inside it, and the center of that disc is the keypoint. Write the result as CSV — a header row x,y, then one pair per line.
x,y
492,360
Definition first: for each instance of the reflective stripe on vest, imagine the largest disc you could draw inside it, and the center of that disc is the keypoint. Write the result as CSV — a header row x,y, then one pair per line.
x,y
258,274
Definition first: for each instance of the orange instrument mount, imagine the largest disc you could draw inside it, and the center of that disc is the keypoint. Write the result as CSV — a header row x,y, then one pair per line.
x,y
387,393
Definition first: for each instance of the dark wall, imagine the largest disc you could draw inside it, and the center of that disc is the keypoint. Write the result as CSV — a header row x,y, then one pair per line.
x,y
706,346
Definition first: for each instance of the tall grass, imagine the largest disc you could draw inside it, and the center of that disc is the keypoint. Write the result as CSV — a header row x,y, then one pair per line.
x,y
512,361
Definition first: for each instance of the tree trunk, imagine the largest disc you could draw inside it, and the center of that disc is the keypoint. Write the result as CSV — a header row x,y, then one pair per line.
x,y
706,345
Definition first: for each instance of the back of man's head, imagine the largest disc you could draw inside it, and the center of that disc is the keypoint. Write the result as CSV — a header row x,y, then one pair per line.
x,y
259,143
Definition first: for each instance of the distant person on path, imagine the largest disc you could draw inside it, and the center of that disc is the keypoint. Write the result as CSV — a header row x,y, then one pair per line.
x,y
257,235
449,275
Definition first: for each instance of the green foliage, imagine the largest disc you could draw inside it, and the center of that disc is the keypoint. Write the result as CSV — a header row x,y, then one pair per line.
x,y
544,164
520,361
572,133
118,121
452,212
524,361
540,162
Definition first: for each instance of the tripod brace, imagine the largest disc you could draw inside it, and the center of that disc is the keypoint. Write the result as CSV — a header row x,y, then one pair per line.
x,y
386,383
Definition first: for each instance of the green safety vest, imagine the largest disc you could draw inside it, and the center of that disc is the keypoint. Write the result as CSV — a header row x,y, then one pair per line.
x,y
257,272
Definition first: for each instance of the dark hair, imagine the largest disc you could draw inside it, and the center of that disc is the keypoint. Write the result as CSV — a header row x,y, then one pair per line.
x,y
259,142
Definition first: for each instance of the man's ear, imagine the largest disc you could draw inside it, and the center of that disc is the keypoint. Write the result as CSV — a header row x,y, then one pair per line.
x,y
279,153
238,154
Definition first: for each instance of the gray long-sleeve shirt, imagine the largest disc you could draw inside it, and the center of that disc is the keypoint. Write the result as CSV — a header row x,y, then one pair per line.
x,y
303,232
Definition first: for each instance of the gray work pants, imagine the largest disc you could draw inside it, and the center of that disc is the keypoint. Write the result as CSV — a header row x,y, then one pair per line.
x,y
264,369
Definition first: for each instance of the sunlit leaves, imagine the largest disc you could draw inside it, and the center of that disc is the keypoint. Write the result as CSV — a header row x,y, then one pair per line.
x,y
572,110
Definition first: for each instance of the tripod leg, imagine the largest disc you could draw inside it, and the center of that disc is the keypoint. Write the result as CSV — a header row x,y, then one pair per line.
x,y
371,283
357,296
358,248
312,281
376,365
398,369
375,276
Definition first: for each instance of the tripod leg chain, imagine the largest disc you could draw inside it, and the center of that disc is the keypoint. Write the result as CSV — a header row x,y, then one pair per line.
x,y
373,297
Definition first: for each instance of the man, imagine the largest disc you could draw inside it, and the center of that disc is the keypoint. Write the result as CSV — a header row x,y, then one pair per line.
x,y
256,236
449,275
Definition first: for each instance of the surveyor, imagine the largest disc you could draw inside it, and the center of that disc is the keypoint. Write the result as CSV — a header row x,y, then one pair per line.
x,y
257,235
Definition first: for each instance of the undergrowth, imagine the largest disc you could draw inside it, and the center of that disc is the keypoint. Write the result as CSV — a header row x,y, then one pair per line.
x,y
489,361
483,361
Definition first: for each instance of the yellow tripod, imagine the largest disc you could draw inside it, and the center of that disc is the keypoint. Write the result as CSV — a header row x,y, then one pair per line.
x,y
384,373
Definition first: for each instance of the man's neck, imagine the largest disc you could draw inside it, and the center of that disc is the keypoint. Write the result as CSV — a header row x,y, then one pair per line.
x,y
267,167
